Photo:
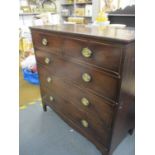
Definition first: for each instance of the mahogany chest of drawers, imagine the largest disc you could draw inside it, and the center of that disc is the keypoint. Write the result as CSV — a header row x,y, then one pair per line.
x,y
87,77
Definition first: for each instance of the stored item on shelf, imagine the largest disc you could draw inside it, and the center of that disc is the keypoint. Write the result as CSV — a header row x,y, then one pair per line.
x,y
25,9
28,53
88,10
33,8
25,45
65,22
55,19
65,12
38,22
109,7
29,68
49,6
117,25
102,17
25,32
28,62
34,69
77,20
46,19
23,3
70,1
31,77
80,11
34,2
81,1
38,9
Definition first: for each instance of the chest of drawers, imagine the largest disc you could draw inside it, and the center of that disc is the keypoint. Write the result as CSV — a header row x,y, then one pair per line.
x,y
87,77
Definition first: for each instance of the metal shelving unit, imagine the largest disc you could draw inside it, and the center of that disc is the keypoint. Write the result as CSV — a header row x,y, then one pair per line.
x,y
71,9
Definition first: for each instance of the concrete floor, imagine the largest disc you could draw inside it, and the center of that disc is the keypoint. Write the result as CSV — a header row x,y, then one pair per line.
x,y
27,92
45,133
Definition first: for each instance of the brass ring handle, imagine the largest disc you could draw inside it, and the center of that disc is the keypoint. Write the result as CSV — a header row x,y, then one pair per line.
x,y
49,79
85,102
44,42
86,77
51,98
47,60
86,52
84,123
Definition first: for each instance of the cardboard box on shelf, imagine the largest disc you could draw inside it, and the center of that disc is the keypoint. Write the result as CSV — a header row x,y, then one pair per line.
x,y
79,11
77,20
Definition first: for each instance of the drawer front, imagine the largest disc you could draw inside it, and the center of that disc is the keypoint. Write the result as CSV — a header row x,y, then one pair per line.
x,y
97,54
94,53
88,78
90,103
52,43
88,125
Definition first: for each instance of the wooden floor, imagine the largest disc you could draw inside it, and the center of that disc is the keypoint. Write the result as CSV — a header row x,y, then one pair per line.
x,y
27,92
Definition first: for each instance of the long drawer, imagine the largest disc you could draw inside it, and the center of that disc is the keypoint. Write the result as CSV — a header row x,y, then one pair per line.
x,y
95,53
83,76
101,55
88,102
87,124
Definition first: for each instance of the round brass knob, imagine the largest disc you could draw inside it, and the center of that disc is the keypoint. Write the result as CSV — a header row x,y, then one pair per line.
x,y
49,79
47,60
86,77
86,52
85,102
84,123
51,98
44,42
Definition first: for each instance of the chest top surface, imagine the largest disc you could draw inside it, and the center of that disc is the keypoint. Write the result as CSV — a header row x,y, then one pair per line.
x,y
124,35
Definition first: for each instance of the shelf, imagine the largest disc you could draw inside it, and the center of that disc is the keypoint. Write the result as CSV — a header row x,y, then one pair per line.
x,y
32,14
84,16
120,15
28,14
83,3
67,4
76,3
65,16
77,16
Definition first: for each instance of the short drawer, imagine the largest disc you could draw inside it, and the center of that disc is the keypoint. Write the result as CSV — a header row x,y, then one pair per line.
x,y
85,77
95,53
88,102
88,125
49,42
44,58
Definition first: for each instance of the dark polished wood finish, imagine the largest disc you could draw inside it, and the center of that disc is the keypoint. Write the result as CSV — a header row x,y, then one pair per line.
x,y
118,35
100,83
100,108
87,77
